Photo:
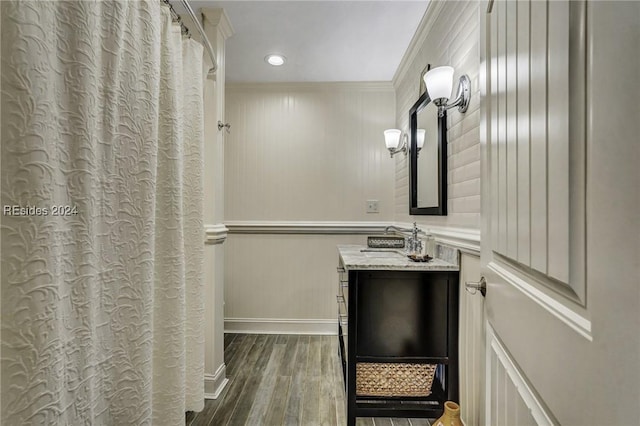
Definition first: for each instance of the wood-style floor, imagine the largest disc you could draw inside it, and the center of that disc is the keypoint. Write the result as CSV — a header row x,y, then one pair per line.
x,y
283,380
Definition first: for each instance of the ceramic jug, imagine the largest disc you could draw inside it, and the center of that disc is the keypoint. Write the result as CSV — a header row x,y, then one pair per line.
x,y
451,415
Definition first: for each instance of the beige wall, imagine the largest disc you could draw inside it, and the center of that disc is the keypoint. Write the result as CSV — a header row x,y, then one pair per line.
x,y
299,153
448,35
308,151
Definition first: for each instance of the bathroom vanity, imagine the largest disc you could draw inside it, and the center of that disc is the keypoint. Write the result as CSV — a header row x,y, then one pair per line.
x,y
398,332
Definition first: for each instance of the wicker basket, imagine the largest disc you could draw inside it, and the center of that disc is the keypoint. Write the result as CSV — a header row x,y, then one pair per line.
x,y
394,379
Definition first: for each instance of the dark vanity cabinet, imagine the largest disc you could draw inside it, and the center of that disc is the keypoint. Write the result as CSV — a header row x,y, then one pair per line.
x,y
398,333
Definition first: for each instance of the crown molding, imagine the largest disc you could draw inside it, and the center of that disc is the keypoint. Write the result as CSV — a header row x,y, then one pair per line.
x,y
217,17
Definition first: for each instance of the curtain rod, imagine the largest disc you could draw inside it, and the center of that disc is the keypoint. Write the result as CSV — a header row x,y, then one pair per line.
x,y
212,71
205,40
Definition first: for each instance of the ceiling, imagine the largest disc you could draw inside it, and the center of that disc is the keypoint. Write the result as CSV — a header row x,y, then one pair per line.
x,y
322,40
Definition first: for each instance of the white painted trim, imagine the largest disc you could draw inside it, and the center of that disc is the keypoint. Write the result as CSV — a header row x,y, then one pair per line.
x,y
574,320
214,383
215,234
311,86
218,18
281,326
525,391
429,18
295,227
465,240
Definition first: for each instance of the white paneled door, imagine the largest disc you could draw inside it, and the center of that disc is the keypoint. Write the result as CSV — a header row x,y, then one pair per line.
x,y
560,212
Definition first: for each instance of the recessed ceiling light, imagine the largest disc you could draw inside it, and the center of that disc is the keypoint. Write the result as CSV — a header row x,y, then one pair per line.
x,y
275,60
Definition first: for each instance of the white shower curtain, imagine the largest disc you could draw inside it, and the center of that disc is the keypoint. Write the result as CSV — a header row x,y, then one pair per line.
x,y
102,196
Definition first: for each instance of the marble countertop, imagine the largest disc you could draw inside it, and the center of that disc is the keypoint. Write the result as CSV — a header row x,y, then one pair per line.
x,y
353,258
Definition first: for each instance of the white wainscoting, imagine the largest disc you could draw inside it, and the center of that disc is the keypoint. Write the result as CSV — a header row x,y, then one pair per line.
x,y
281,276
276,282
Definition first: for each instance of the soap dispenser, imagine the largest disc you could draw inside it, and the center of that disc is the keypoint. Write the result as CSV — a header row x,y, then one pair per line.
x,y
429,246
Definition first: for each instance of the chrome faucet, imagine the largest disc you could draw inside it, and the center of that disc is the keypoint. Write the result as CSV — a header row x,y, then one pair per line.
x,y
414,245
396,228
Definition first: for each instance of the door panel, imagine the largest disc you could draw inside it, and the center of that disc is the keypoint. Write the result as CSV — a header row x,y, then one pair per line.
x,y
557,318
512,401
530,141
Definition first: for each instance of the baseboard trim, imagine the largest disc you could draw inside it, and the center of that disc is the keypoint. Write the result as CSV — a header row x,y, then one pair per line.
x,y
214,384
281,326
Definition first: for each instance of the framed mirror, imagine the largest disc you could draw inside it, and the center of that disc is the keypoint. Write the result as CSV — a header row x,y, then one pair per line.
x,y
428,159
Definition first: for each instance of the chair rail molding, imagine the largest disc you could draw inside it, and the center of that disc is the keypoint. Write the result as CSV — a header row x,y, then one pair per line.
x,y
305,227
215,234
467,240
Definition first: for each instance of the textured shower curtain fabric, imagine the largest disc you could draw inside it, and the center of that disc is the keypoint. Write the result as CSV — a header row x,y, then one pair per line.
x,y
102,234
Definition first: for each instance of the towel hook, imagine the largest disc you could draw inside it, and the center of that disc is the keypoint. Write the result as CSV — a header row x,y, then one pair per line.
x,y
226,126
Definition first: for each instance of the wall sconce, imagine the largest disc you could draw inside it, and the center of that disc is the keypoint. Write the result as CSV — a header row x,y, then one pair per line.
x,y
396,142
420,141
439,82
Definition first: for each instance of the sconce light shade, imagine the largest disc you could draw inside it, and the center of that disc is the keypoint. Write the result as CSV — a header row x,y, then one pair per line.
x,y
420,141
439,82
392,138
393,141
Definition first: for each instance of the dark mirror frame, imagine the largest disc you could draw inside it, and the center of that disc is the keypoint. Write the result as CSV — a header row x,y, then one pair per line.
x,y
441,209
